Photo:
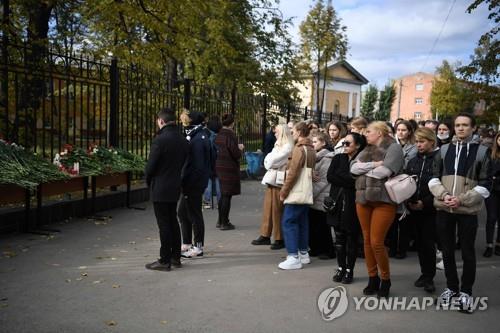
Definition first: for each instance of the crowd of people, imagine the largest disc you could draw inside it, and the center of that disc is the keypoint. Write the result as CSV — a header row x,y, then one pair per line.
x,y
351,214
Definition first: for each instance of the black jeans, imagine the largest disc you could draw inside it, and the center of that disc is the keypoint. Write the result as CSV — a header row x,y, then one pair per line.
x,y
467,230
346,245
425,224
224,208
191,218
398,237
170,236
320,233
493,208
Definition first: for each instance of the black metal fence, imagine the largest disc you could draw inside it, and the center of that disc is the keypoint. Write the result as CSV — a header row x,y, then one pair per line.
x,y
65,99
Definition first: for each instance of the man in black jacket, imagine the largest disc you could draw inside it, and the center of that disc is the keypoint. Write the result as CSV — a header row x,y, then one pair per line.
x,y
195,175
169,151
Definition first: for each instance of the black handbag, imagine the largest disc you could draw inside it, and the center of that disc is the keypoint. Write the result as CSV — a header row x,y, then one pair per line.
x,y
333,204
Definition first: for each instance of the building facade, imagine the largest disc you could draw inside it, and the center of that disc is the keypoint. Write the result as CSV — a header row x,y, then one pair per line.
x,y
342,92
413,97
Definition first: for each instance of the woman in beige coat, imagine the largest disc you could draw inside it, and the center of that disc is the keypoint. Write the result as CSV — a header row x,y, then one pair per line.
x,y
275,164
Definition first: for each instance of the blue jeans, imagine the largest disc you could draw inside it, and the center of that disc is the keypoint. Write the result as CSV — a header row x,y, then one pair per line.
x,y
295,224
207,196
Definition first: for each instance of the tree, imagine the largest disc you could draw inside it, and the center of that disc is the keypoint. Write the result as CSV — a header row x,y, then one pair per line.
x,y
323,39
387,97
449,95
369,101
483,67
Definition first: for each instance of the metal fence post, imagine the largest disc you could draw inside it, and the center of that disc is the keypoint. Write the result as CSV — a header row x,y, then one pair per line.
x,y
288,107
305,113
233,101
264,120
187,94
114,90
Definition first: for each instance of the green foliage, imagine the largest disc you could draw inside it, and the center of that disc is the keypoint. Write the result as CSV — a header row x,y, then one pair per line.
x,y
386,100
449,95
369,101
323,39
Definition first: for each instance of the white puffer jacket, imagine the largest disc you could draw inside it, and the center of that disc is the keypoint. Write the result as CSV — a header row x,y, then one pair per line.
x,y
277,158
321,188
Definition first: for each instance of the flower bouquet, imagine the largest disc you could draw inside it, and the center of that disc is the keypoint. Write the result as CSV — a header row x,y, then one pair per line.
x,y
24,168
76,161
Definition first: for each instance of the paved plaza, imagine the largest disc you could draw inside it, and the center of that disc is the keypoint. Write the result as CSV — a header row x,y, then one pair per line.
x,y
91,278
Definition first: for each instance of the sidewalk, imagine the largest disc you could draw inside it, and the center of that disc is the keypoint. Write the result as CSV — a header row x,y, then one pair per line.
x,y
91,278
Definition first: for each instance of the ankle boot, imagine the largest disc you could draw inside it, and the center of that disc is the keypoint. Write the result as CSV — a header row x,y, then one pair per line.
x,y
373,285
385,285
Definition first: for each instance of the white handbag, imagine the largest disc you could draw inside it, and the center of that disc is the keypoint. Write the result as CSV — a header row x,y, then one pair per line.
x,y
401,187
302,191
270,177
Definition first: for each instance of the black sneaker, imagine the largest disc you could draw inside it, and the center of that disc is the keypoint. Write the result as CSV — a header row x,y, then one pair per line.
x,y
227,226
262,241
158,266
497,250
429,287
420,283
339,275
488,252
348,277
278,245
176,262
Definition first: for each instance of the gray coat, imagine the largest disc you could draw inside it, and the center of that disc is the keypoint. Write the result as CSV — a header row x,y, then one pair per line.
x,y
321,188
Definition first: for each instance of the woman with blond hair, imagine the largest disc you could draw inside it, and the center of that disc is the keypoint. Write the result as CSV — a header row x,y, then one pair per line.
x,y
275,162
381,159
422,212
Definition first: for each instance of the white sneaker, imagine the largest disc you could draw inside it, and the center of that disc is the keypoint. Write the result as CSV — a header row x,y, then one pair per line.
x,y
446,299
439,255
304,258
465,302
440,265
185,247
193,252
291,262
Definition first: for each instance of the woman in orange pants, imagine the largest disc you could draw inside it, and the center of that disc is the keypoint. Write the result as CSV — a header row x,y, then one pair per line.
x,y
381,159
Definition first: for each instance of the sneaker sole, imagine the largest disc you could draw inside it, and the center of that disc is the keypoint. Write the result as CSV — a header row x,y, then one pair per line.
x,y
290,267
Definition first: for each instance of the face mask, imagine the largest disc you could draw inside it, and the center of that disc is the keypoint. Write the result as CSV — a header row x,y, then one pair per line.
x,y
443,136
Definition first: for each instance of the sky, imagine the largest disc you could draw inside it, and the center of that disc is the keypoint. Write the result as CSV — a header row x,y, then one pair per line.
x,y
392,38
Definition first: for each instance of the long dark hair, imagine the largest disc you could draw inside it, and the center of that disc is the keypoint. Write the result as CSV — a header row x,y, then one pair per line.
x,y
359,140
495,149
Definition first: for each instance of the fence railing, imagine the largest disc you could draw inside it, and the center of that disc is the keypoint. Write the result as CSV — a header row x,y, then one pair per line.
x,y
64,99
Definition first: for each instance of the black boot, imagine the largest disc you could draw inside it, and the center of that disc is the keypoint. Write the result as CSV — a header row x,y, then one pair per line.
x,y
277,245
339,274
488,252
385,285
227,226
262,240
348,277
373,285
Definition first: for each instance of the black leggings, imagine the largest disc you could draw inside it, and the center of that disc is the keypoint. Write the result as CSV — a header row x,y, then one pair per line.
x,y
346,244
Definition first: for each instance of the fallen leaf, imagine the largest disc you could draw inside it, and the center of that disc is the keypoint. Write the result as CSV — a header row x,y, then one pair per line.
x,y
96,282
111,323
116,286
164,322
82,267
9,254
84,274
68,280
79,279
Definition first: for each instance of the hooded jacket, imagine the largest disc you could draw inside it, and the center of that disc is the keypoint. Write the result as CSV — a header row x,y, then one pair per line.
x,y
463,173
321,188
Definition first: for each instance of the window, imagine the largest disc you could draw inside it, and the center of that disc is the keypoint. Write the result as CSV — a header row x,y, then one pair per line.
x,y
418,115
419,100
419,87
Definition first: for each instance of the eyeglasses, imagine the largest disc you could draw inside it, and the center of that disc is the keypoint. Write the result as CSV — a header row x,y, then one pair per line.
x,y
346,143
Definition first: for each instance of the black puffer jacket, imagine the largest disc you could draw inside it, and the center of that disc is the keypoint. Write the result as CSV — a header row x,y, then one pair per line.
x,y
422,166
